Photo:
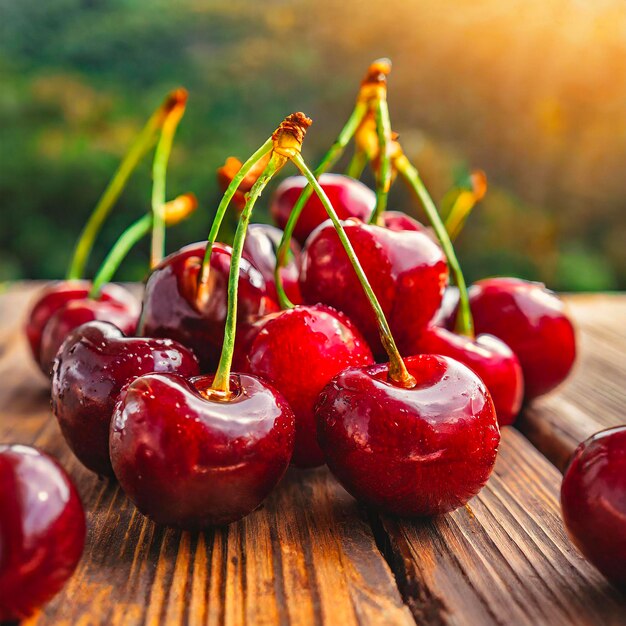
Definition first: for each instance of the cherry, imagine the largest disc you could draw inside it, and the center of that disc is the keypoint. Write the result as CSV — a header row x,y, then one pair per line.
x,y
42,530
78,312
532,321
349,197
417,451
189,458
407,271
171,308
593,501
94,363
55,296
490,358
260,248
397,220
319,337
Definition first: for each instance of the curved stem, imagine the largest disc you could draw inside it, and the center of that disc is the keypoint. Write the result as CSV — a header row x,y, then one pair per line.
x,y
383,175
329,159
223,205
136,152
221,382
464,322
397,369
357,164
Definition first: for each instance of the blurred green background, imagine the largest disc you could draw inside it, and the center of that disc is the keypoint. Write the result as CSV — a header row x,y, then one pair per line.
x,y
531,91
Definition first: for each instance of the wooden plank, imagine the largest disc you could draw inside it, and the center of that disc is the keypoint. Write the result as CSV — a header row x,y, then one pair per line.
x,y
308,556
594,397
504,558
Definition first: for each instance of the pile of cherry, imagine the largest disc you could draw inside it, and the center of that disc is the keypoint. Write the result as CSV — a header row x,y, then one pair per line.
x,y
314,336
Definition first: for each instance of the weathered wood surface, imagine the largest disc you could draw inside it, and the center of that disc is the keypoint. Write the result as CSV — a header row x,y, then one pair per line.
x,y
311,555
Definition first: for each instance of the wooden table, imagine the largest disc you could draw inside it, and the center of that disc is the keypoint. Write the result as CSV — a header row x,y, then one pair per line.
x,y
312,555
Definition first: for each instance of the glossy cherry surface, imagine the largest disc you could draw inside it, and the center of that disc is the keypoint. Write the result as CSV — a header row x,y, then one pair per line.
x,y
193,462
407,271
42,530
490,358
170,307
298,351
533,322
261,244
78,312
593,501
94,363
349,197
56,295
412,452
397,220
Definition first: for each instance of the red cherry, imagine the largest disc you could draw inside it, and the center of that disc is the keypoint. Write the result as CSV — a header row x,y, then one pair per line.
x,y
42,530
93,364
397,220
78,312
170,307
261,244
349,197
532,321
407,271
593,501
316,338
190,461
58,294
413,452
490,358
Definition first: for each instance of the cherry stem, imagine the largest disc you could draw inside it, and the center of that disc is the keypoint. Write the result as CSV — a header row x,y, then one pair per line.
x,y
397,368
221,382
383,173
357,164
464,322
159,174
223,206
139,148
329,159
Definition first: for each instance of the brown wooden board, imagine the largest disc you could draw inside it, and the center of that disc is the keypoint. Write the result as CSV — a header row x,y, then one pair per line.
x,y
311,554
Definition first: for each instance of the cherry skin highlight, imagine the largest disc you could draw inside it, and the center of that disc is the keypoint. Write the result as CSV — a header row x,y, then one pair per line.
x,y
56,295
411,452
260,246
490,358
407,271
397,220
593,502
42,530
171,310
94,363
192,462
349,197
532,321
298,351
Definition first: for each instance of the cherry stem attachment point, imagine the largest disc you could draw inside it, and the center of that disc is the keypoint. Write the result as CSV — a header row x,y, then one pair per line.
x,y
139,148
398,372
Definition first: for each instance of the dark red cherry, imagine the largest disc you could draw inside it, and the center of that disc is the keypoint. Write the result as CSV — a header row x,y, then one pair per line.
x,y
412,452
170,306
190,461
407,271
42,530
298,351
349,197
593,501
93,364
78,312
261,244
56,295
490,358
533,322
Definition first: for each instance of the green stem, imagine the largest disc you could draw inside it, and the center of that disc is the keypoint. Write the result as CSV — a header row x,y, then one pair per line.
x,y
134,233
329,159
464,322
85,242
383,176
357,164
397,369
223,205
221,382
